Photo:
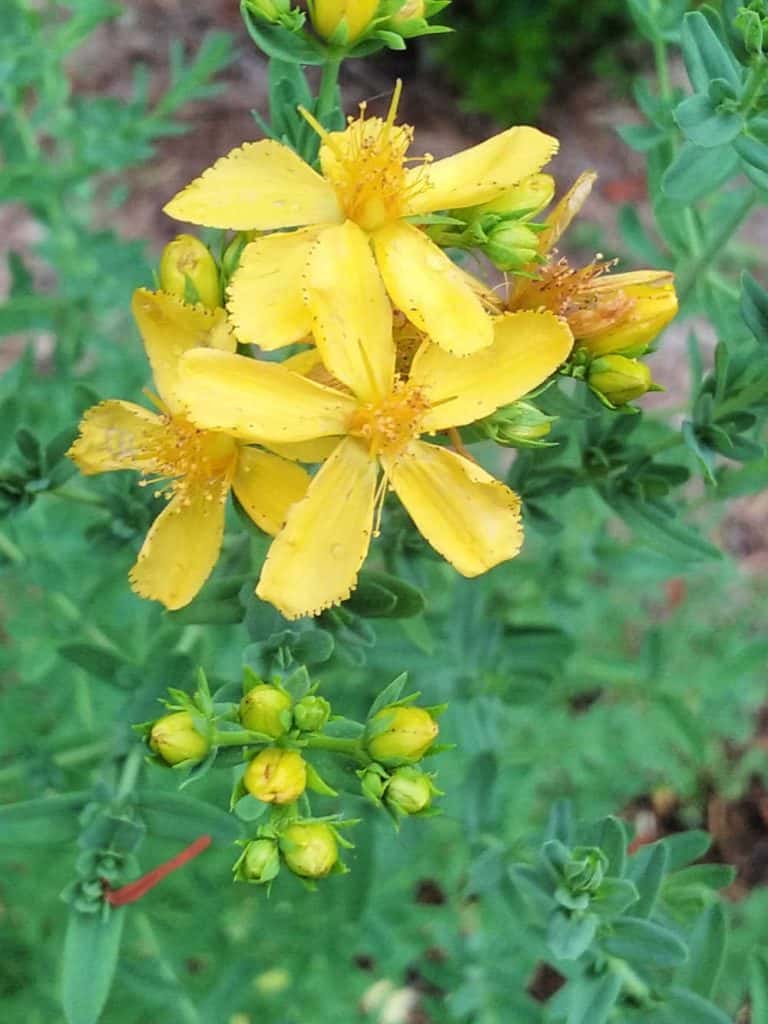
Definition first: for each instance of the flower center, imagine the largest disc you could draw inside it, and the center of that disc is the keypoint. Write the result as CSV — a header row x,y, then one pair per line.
x,y
365,164
190,462
388,425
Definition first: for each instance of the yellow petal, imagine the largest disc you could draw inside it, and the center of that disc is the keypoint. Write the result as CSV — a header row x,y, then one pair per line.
x,y
262,185
472,520
265,298
303,362
170,327
351,315
567,208
528,347
653,306
305,451
259,401
481,173
117,435
314,561
431,290
266,486
181,549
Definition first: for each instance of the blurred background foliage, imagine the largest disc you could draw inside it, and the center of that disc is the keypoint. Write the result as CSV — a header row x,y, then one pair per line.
x,y
620,666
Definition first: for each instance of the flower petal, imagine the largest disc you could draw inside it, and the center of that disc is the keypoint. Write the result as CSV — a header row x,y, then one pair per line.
x,y
471,519
169,327
431,290
317,450
181,549
117,435
481,173
567,208
528,347
259,401
265,298
262,185
314,561
266,486
351,315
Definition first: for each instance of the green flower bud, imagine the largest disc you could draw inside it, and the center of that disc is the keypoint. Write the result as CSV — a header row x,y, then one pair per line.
x,y
619,379
586,869
261,861
311,713
186,261
409,791
309,849
511,245
372,783
266,709
518,425
174,738
276,776
752,23
400,734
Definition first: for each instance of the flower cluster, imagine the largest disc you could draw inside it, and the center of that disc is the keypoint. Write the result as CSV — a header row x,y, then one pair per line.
x,y
389,349
272,737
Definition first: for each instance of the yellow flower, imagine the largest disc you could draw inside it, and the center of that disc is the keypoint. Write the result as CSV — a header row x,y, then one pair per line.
x,y
197,467
606,312
467,516
366,183
357,15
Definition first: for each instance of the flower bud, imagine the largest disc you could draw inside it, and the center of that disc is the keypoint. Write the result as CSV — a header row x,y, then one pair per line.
x,y
270,10
409,791
518,425
328,15
276,776
400,734
266,709
526,199
650,307
186,261
619,379
586,869
753,27
372,783
511,245
410,11
311,713
261,861
309,849
174,738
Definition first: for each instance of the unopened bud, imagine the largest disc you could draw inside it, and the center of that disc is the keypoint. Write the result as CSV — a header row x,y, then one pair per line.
x,y
174,738
311,713
619,379
400,734
261,861
752,23
511,245
526,199
356,15
187,266
651,306
518,425
409,791
309,849
410,10
276,776
372,783
266,709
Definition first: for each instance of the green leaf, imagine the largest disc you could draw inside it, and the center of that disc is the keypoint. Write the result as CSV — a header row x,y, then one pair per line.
x,y
570,936
560,822
645,942
183,818
102,662
641,137
280,43
703,123
91,949
389,695
613,897
695,171
758,985
754,306
592,999
684,847
51,819
646,869
752,151
684,1005
705,54
663,532
711,876
707,950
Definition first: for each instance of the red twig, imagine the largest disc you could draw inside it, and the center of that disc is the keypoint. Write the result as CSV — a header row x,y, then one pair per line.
x,y
135,890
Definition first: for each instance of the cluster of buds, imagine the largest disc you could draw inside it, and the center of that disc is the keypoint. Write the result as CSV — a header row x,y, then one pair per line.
x,y
274,731
341,25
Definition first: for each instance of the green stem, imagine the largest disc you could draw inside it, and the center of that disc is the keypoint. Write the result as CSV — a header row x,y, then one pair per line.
x,y
337,745
186,1010
662,69
64,759
237,738
326,97
754,85
78,495
130,774
715,246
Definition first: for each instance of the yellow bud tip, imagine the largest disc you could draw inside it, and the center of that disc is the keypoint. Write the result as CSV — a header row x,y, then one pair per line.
x,y
174,739
265,709
188,271
400,735
309,849
276,776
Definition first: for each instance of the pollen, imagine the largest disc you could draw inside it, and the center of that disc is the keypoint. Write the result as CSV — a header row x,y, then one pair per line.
x,y
189,462
388,425
366,165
